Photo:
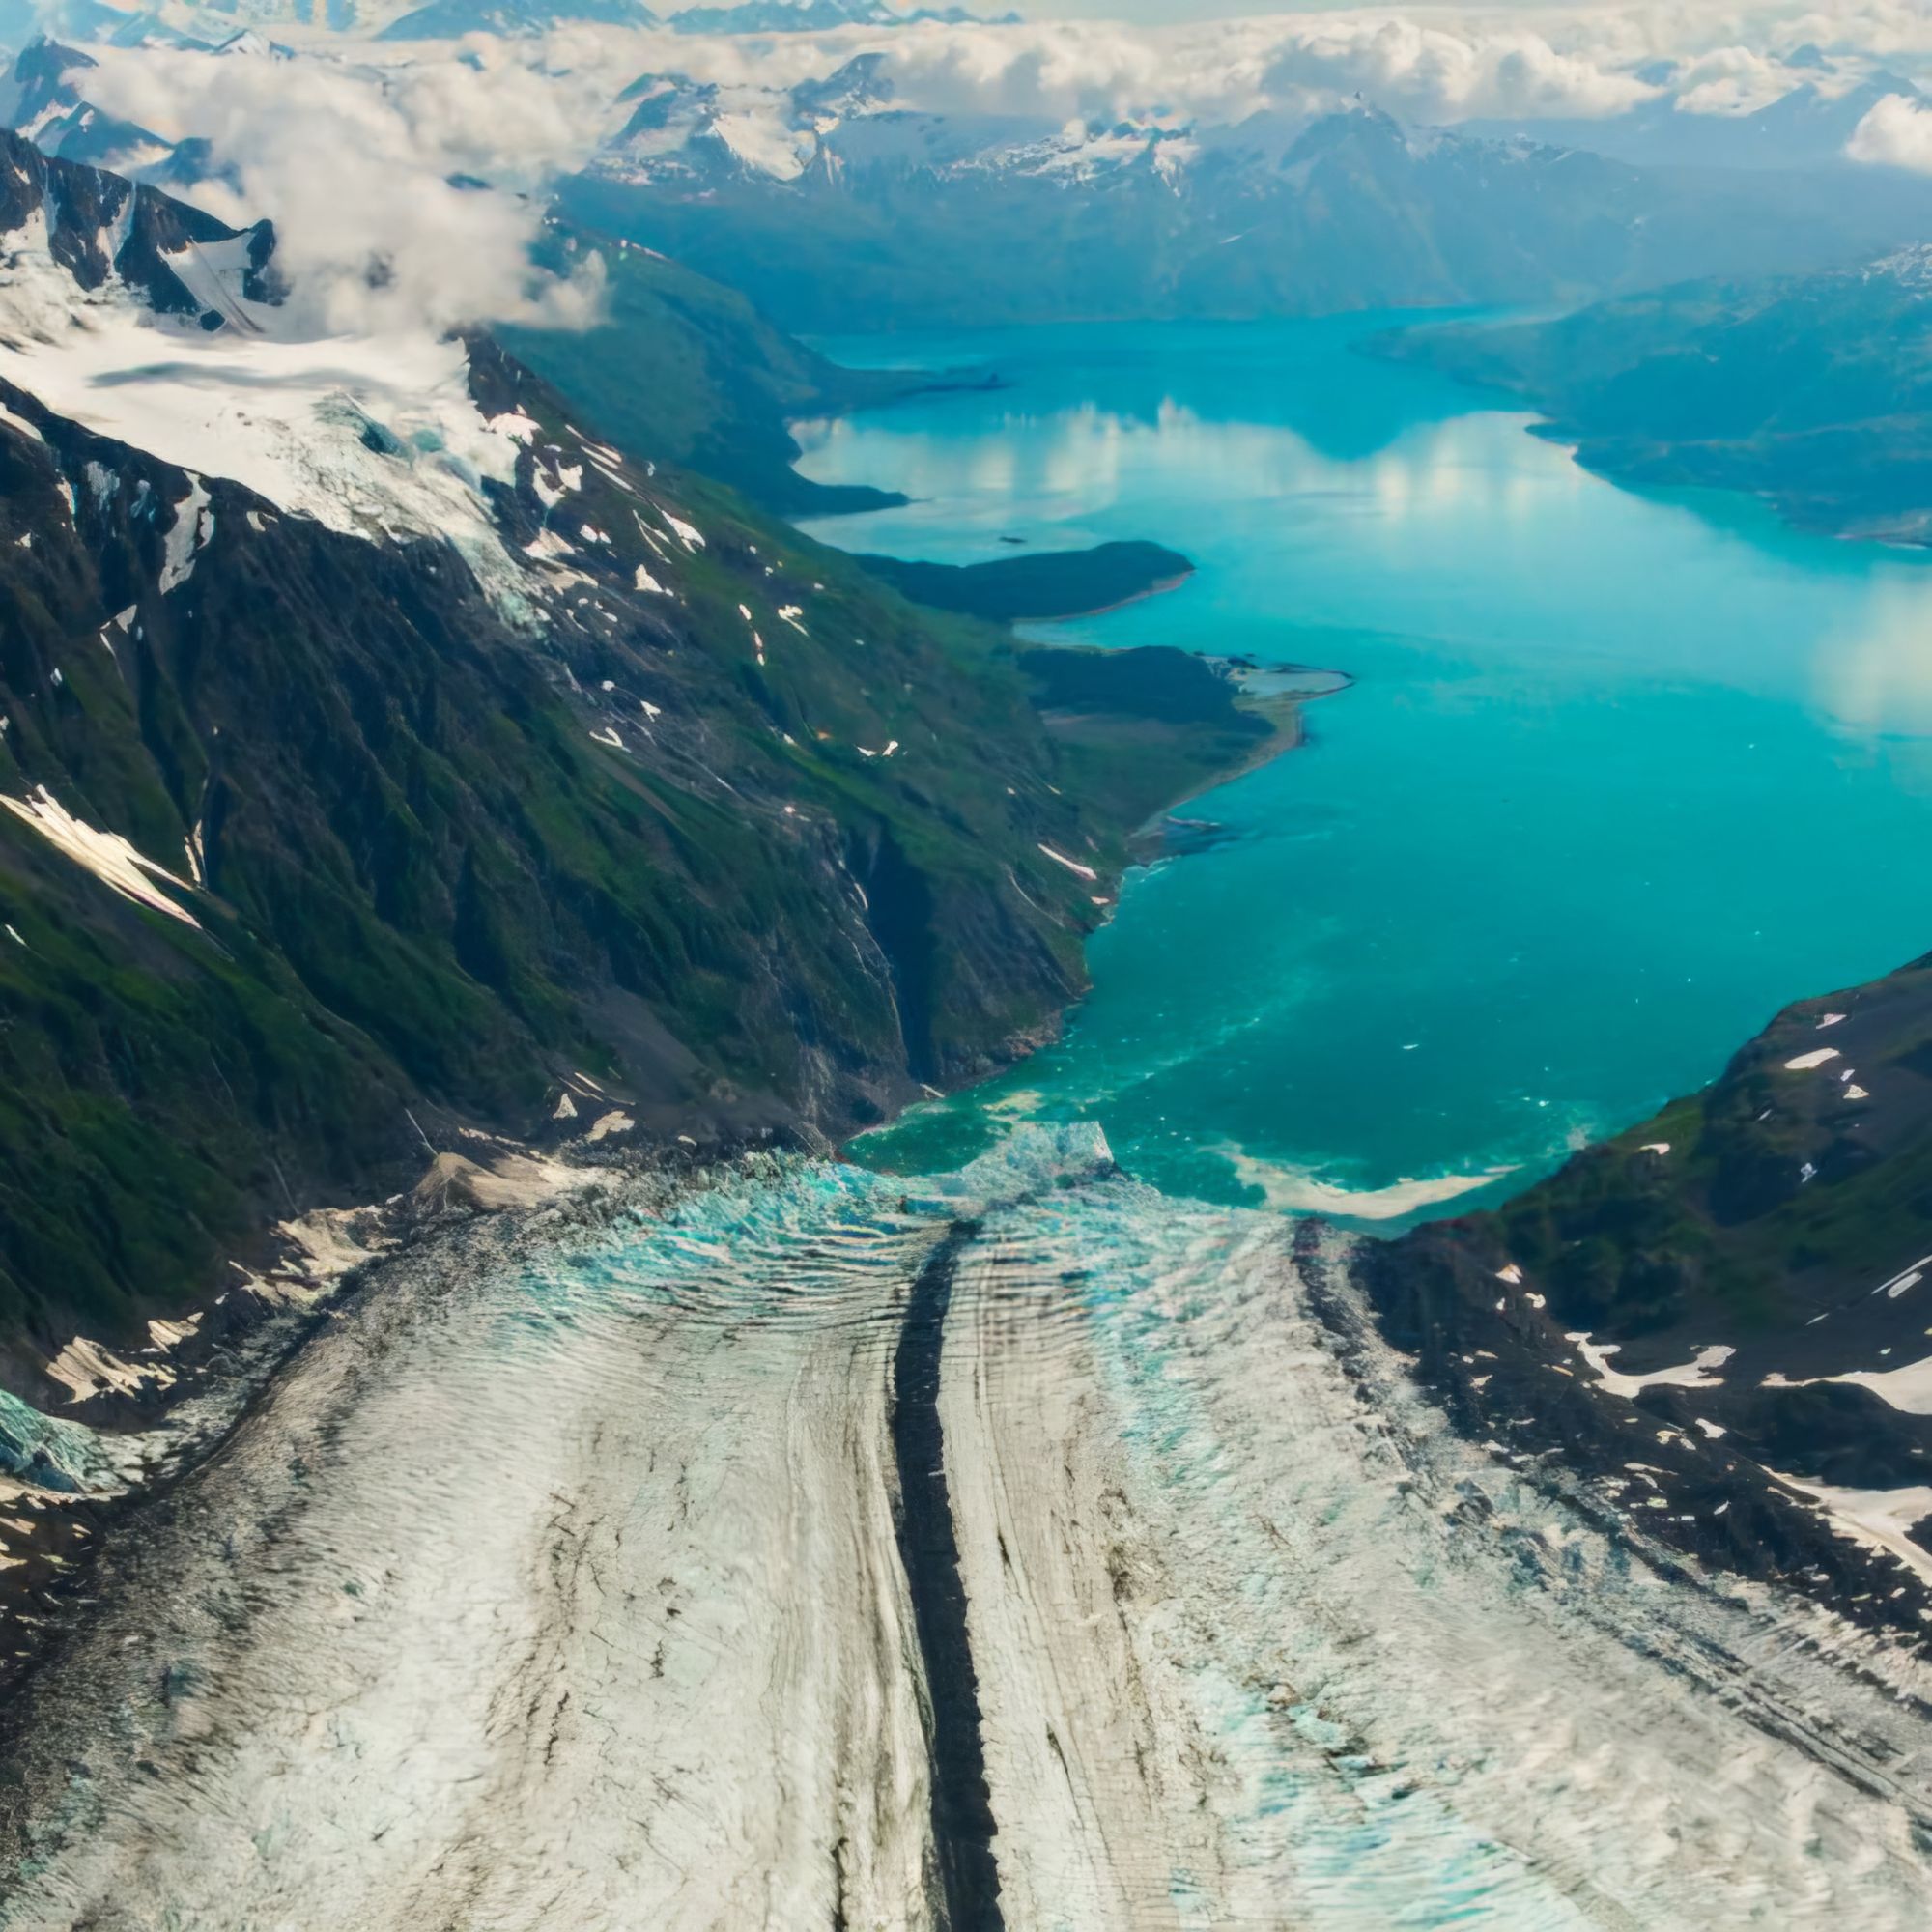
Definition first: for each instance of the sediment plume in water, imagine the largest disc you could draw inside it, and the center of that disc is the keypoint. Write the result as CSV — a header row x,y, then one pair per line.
x,y
1022,1548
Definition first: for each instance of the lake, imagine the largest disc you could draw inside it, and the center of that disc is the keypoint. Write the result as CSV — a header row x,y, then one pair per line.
x,y
1618,774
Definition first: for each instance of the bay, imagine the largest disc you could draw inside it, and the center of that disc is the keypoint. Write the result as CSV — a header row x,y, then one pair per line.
x,y
1617,775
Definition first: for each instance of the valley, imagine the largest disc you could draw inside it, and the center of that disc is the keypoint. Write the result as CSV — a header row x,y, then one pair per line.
x,y
876,892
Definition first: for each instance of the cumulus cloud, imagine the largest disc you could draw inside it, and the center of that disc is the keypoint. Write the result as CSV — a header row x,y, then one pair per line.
x,y
1897,133
1432,63
1431,74
1223,69
400,196
1730,80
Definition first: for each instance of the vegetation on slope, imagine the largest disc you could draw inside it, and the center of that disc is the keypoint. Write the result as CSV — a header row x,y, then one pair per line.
x,y
687,370
1786,1189
743,869
1042,585
1814,391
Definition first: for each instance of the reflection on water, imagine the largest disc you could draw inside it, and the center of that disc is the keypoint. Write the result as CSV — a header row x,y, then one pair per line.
x,y
1618,775
568,1590
1025,472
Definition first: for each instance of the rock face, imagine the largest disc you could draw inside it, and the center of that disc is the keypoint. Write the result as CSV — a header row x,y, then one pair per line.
x,y
450,754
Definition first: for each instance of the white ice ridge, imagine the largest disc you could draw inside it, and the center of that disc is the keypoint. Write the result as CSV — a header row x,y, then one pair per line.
x,y
188,536
108,856
1906,1278
1907,1389
1297,1190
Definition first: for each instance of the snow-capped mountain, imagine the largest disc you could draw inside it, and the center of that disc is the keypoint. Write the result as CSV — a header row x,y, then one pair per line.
x,y
813,16
200,24
147,321
682,133
40,99
838,205
1808,127
451,19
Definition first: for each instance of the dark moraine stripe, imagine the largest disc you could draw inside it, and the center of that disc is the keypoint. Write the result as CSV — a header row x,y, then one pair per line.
x,y
962,1804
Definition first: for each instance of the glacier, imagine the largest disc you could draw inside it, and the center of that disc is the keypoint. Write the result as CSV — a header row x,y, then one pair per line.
x,y
1020,1546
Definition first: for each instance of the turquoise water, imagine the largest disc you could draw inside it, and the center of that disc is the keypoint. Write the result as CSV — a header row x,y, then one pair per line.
x,y
1618,775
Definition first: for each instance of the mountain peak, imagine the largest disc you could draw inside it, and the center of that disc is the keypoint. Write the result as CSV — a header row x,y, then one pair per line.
x,y
511,19
169,257
818,17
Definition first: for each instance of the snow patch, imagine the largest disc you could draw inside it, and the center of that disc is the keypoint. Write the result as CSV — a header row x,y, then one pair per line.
x,y
187,536
1694,1373
1072,864
108,856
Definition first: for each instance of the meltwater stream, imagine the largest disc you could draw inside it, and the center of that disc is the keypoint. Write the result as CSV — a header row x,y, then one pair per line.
x,y
1017,1549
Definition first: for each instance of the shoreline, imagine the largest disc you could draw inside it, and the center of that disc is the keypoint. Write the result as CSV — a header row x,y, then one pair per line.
x,y
172,1407
1152,591
229,1370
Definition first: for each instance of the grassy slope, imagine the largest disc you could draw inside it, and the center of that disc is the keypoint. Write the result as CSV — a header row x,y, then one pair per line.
x,y
689,372
1727,1233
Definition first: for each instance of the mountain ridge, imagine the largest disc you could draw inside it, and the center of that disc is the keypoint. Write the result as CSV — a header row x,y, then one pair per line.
x,y
315,836
1813,392
837,207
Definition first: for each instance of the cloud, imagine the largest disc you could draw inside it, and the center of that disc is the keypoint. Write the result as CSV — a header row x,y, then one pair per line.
x,y
1431,74
1433,64
354,165
1730,80
1218,70
1225,68
1897,133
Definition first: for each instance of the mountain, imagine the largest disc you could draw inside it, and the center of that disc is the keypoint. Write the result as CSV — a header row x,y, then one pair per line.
x,y
679,364
388,762
451,19
817,17
207,24
688,367
40,99
1735,1290
1813,391
835,207
1808,127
